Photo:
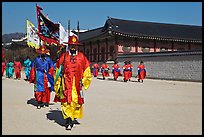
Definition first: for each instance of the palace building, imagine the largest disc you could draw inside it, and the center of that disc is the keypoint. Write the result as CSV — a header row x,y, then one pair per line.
x,y
118,37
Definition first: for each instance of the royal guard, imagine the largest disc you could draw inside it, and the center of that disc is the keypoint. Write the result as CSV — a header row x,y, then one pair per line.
x,y
27,67
3,53
17,68
141,71
116,70
41,74
126,70
3,66
130,70
95,69
73,74
9,69
105,70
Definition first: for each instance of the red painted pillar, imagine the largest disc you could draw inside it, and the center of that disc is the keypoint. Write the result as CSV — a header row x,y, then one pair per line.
x,y
189,46
155,45
172,46
136,45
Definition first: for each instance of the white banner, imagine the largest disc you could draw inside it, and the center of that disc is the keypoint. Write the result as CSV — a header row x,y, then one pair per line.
x,y
63,34
33,39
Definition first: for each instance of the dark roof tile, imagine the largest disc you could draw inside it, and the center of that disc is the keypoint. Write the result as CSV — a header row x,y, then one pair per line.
x,y
153,29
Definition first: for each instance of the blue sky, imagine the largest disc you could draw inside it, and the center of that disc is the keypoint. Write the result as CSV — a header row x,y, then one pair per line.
x,y
92,15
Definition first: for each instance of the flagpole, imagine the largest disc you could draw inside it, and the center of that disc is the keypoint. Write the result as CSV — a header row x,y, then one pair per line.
x,y
68,27
38,23
27,32
37,14
68,34
78,28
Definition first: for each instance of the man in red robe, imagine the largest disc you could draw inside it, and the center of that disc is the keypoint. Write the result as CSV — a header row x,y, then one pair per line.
x,y
116,70
104,70
17,69
130,70
141,71
95,69
126,70
3,67
73,73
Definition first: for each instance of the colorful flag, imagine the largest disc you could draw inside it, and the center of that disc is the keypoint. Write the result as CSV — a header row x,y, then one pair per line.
x,y
47,30
33,39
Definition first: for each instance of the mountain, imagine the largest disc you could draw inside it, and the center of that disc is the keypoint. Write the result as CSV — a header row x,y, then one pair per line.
x,y
8,37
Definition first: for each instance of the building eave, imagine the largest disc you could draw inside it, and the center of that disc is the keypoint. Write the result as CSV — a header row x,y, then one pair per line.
x,y
140,36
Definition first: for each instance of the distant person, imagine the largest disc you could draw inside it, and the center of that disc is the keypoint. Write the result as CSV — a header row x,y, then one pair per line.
x,y
130,70
27,67
17,68
126,70
141,71
95,69
41,74
3,53
9,69
3,66
105,70
116,70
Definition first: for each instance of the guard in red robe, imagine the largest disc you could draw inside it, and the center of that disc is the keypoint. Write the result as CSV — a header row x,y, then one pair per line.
x,y
141,71
73,74
17,69
105,70
95,69
126,70
130,70
116,70
3,67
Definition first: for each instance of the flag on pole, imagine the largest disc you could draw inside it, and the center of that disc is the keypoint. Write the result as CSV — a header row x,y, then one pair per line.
x,y
47,30
63,34
78,28
32,37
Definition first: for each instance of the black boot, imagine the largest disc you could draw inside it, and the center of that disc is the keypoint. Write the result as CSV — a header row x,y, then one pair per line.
x,y
39,105
46,104
76,121
69,124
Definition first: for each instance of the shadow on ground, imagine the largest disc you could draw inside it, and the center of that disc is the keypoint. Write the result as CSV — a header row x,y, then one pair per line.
x,y
118,80
56,115
32,101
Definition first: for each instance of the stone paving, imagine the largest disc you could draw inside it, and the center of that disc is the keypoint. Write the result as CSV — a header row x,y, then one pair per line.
x,y
155,107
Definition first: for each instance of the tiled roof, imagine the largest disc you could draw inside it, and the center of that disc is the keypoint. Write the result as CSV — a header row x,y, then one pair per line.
x,y
91,34
150,30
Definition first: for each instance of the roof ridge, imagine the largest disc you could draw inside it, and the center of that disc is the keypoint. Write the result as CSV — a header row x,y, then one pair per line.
x,y
91,30
153,22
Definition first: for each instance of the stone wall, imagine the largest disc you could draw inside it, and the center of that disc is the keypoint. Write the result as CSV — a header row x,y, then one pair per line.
x,y
176,65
